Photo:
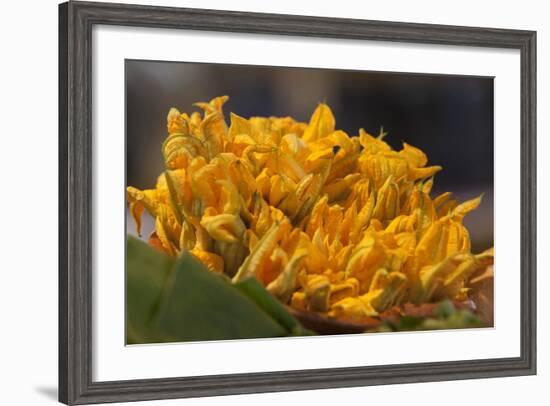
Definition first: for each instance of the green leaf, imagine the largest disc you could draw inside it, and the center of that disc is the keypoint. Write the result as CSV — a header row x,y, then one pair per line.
x,y
147,271
200,305
181,300
409,323
445,309
265,300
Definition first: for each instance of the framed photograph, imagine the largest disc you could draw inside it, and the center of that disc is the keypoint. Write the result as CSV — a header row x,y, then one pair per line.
x,y
259,202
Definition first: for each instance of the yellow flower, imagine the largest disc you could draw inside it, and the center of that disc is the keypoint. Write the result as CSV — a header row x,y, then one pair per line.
x,y
337,224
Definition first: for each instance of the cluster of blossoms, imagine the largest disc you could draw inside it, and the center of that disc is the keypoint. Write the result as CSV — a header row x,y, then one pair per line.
x,y
344,226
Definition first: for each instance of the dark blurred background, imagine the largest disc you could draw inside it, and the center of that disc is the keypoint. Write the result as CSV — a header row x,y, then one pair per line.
x,y
449,117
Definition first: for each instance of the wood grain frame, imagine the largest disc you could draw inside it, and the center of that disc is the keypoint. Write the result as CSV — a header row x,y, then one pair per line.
x,y
76,20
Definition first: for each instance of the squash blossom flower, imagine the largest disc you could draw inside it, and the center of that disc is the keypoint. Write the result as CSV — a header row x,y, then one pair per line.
x,y
339,225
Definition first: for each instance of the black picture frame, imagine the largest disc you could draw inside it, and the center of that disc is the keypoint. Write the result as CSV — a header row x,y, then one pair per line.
x,y
76,20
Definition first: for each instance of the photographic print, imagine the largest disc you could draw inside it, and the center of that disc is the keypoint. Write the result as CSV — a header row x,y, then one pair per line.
x,y
280,201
